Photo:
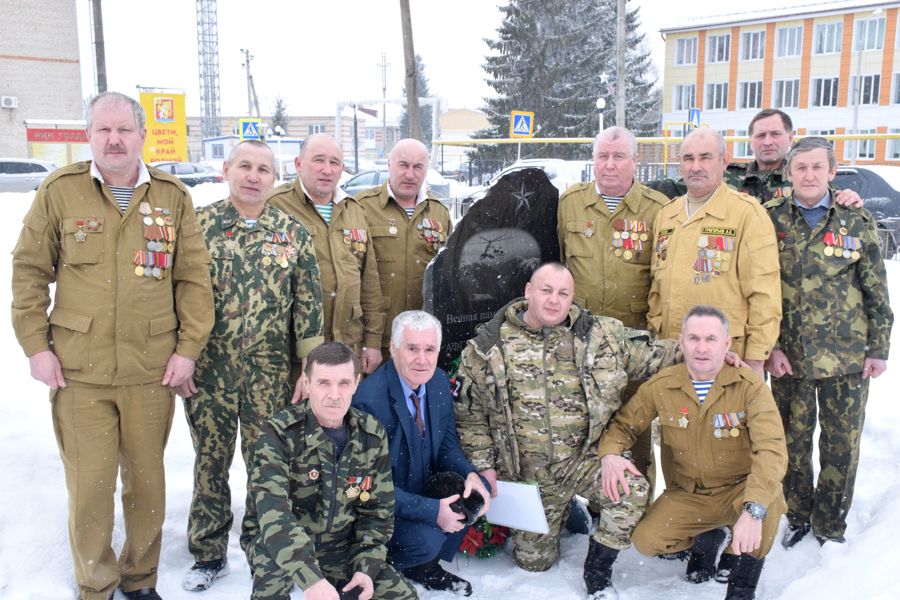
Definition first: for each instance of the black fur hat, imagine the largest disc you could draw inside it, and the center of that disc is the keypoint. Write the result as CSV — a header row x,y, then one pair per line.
x,y
448,483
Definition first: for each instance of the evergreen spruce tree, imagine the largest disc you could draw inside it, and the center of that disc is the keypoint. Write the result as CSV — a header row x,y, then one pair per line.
x,y
549,57
280,117
425,110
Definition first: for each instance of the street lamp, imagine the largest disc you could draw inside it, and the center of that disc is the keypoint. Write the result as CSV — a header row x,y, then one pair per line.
x,y
601,104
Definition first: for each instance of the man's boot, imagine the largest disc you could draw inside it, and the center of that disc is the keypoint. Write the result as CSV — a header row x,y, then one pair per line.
x,y
702,563
432,576
743,584
598,571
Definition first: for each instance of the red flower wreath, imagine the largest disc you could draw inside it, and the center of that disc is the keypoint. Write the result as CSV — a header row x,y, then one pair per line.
x,y
483,539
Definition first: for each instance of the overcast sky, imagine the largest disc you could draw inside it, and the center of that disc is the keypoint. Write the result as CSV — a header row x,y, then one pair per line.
x,y
314,53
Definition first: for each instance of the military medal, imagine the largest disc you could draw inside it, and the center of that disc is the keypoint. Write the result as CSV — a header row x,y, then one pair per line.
x,y
352,492
683,421
589,230
139,271
144,208
364,496
313,474
365,486
148,220
828,251
392,226
80,235
267,260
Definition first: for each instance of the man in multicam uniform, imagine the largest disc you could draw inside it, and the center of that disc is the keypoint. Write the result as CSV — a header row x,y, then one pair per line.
x,y
606,238
835,334
723,457
408,226
265,278
353,308
539,383
322,498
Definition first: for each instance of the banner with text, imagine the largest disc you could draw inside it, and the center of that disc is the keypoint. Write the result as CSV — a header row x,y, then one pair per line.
x,y
166,127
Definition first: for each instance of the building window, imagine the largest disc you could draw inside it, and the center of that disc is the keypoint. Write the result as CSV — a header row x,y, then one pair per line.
x,y
787,93
316,128
684,97
370,133
750,94
865,148
716,96
824,91
894,147
218,151
869,34
719,48
753,45
686,51
895,93
871,90
742,149
827,38
788,42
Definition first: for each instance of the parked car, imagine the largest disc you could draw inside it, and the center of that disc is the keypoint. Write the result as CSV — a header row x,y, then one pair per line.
x,y
190,174
438,186
23,174
879,187
562,173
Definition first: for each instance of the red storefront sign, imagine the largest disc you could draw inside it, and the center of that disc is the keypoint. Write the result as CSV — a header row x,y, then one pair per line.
x,y
74,136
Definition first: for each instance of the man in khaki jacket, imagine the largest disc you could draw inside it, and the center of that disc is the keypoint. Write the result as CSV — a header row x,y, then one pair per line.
x,y
407,227
132,311
724,456
715,245
353,306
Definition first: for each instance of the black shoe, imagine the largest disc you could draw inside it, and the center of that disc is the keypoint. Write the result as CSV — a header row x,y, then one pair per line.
x,y
142,594
579,520
827,538
683,555
743,584
726,567
432,576
201,576
598,571
793,534
702,563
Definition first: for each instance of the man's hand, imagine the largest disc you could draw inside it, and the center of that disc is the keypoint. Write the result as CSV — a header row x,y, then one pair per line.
x,y
612,475
359,580
747,534
473,482
778,364
491,476
872,367
371,358
757,366
45,368
178,370
321,590
848,198
300,391
734,359
186,389
447,519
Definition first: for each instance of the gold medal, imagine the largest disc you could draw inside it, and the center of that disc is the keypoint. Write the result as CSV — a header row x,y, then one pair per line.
x,y
392,230
139,271
159,221
628,254
364,496
617,235
618,252
267,260
854,255
171,247
645,237
829,251
842,231
734,432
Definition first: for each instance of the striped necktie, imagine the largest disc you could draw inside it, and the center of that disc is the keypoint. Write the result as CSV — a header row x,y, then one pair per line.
x,y
420,423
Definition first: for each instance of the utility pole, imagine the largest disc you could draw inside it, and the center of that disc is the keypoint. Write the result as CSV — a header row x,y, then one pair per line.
x,y
383,65
99,45
252,99
413,114
620,64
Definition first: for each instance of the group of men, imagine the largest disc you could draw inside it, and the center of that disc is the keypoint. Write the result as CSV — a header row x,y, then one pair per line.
x,y
667,310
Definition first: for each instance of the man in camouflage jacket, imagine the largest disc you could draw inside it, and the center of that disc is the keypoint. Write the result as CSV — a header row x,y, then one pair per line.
x,y
539,383
265,278
322,497
835,334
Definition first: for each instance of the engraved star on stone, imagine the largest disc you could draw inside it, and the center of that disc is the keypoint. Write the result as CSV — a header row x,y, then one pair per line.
x,y
80,235
523,199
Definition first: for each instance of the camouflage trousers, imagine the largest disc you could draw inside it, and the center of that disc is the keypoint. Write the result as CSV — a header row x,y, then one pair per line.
x,y
213,416
270,582
538,552
841,413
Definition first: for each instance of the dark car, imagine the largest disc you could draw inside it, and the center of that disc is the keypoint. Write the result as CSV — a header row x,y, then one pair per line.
x,y
190,174
876,186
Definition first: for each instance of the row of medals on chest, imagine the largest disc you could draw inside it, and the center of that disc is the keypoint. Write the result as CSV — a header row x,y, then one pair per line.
x,y
272,252
724,424
159,231
352,490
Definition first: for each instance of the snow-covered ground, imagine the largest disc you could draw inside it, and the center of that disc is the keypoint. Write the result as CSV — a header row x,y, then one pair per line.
x,y
34,551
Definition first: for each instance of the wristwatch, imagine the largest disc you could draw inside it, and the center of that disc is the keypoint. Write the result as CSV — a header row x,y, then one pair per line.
x,y
755,510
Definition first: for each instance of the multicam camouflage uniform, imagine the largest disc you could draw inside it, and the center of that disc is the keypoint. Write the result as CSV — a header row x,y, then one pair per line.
x,y
533,404
265,277
312,518
836,313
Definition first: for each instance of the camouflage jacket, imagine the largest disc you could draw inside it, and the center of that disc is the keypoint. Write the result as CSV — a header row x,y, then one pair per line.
x,y
743,177
264,279
607,356
302,502
836,310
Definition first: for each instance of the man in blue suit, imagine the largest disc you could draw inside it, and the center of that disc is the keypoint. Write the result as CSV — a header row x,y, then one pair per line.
x,y
410,396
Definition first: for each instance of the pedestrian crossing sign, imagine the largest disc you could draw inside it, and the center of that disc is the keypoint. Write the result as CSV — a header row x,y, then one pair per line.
x,y
521,124
250,129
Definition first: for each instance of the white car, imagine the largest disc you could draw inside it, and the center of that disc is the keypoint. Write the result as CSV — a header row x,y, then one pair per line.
x,y
561,173
23,174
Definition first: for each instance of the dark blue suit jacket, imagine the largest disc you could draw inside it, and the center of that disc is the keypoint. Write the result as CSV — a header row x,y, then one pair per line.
x,y
381,395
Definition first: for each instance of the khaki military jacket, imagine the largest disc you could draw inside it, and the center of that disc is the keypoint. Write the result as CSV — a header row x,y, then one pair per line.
x,y
353,304
609,254
607,356
695,457
302,502
120,310
266,284
835,300
738,274
403,248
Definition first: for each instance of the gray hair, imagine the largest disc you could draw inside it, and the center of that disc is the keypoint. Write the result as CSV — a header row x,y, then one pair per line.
x,y
705,310
703,132
255,144
140,117
809,144
417,320
614,133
